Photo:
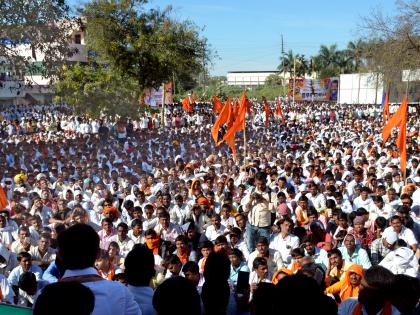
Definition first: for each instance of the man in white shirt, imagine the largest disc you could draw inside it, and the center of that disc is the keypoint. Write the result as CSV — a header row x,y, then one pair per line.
x,y
25,265
284,241
78,247
124,242
215,229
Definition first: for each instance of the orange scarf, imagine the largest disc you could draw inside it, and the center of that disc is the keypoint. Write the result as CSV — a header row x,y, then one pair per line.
x,y
203,263
295,268
347,290
387,310
154,245
286,271
183,256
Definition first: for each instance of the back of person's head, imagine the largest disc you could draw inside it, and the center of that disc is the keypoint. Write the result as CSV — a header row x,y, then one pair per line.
x,y
27,282
289,291
54,299
405,293
379,286
264,300
215,293
217,267
191,266
139,266
176,295
78,247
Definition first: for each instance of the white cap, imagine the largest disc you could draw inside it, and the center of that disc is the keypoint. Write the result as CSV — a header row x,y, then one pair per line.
x,y
390,236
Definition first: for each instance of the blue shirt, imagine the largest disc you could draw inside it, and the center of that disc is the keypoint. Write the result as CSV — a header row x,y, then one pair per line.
x,y
234,272
359,256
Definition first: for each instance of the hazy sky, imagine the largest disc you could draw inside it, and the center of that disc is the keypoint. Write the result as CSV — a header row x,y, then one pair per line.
x,y
246,34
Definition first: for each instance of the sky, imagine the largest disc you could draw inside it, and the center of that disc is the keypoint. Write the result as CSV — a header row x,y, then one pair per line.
x,y
246,34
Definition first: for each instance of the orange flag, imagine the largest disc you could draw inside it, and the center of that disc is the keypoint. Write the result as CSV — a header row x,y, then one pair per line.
x,y
222,119
279,112
402,141
386,108
3,199
217,105
236,108
231,118
186,104
267,111
238,125
395,120
248,106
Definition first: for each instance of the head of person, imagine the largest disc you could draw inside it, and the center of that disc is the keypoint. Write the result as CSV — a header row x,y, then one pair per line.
x,y
396,223
308,245
173,264
139,266
78,247
137,227
107,225
55,295
297,256
164,219
262,245
405,293
240,221
354,275
191,271
216,221
336,258
260,266
350,243
167,297
122,231
260,181
376,288
27,283
206,248
25,260
221,244
181,243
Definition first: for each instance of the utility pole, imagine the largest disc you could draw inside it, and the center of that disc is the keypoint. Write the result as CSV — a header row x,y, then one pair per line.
x,y
282,57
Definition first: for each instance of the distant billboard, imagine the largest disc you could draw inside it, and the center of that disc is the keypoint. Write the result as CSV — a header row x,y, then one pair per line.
x,y
314,90
153,97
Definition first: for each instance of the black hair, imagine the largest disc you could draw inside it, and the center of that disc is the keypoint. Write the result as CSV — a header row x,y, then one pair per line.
x,y
128,204
172,260
206,244
109,220
123,225
381,222
296,252
150,232
259,261
220,239
139,266
335,251
406,292
27,281
136,222
78,246
173,290
55,295
381,279
191,266
23,255
262,240
261,176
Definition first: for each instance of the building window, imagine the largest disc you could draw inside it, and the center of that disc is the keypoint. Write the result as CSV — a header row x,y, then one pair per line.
x,y
77,39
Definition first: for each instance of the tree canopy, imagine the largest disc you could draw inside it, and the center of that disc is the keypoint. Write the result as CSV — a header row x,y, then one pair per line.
x,y
39,27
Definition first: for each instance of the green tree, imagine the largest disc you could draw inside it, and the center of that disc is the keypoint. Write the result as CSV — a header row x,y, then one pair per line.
x,y
40,28
146,45
273,80
327,61
356,54
286,63
94,90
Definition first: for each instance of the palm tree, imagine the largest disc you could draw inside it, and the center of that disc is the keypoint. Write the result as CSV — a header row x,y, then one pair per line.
x,y
287,63
356,51
328,61
301,65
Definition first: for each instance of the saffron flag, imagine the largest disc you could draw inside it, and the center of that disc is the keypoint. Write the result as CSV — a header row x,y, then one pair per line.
x,y
236,108
386,108
238,125
267,111
231,117
3,199
279,112
395,120
186,105
221,119
217,105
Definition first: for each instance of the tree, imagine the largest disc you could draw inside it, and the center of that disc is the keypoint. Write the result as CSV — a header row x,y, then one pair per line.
x,y
35,31
393,42
93,90
273,80
356,54
328,61
145,45
286,63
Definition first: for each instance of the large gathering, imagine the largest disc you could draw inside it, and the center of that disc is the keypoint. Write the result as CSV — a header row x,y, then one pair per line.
x,y
133,210
163,157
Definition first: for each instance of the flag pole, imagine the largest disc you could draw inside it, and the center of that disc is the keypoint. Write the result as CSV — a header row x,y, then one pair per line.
x,y
245,140
294,80
162,117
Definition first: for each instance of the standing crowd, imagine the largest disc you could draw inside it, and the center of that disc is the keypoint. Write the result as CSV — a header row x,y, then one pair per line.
x,y
129,216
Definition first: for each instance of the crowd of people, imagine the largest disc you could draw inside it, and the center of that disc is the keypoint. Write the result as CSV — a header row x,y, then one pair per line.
x,y
132,216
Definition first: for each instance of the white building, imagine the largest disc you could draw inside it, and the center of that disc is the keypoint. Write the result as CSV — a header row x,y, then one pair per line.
x,y
248,78
18,88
